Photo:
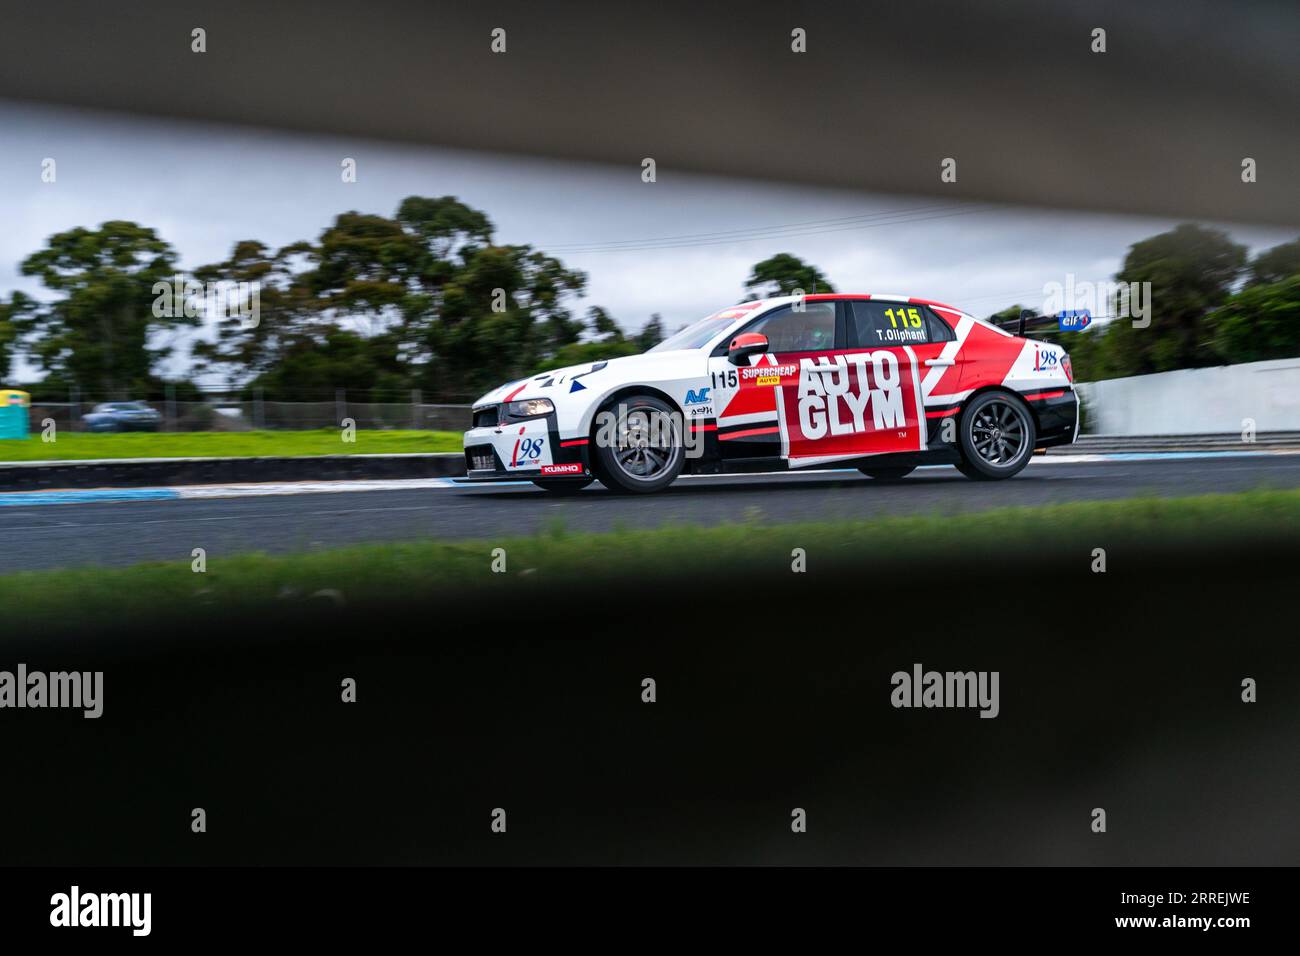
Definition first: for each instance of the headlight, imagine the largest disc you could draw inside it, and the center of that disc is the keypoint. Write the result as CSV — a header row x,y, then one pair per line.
x,y
529,408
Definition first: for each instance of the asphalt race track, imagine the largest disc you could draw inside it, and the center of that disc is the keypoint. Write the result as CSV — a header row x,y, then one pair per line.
x,y
119,533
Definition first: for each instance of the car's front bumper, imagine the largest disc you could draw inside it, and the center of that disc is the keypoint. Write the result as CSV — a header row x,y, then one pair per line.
x,y
523,451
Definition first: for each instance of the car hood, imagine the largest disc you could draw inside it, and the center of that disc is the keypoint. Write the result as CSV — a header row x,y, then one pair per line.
x,y
597,376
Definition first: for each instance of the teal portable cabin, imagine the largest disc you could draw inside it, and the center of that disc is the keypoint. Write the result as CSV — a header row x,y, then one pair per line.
x,y
14,410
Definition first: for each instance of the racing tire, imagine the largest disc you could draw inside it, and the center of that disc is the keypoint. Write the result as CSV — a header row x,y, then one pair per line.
x,y
996,435
647,453
562,487
887,474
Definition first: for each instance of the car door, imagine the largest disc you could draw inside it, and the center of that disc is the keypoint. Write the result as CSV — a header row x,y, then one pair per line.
x,y
751,400
864,399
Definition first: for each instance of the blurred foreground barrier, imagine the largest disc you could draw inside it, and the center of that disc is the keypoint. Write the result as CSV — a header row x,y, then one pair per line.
x,y
1102,444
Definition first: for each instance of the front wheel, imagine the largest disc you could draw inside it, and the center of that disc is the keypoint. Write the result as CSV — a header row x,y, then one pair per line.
x,y
638,445
562,487
996,436
886,474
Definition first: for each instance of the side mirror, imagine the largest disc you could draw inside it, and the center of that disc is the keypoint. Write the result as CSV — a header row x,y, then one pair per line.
x,y
745,345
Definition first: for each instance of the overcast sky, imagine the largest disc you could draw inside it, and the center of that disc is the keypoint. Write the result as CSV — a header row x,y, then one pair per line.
x,y
204,187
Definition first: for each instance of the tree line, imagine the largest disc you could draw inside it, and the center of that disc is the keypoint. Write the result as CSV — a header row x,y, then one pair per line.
x,y
427,299
1210,305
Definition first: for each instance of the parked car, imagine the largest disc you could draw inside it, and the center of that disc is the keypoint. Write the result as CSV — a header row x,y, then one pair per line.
x,y
122,417
881,383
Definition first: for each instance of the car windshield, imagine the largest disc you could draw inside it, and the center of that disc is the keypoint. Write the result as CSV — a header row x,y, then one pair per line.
x,y
701,333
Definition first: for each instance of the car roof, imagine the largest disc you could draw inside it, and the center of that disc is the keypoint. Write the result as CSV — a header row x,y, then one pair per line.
x,y
742,313
843,296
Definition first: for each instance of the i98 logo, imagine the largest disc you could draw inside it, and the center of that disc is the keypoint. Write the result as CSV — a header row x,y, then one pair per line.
x,y
1045,361
527,450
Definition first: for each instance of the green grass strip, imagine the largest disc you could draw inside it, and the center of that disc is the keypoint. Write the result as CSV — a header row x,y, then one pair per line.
x,y
81,446
1016,539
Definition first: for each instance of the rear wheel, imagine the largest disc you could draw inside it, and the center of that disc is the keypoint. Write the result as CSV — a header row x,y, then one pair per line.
x,y
887,474
642,451
997,437
562,487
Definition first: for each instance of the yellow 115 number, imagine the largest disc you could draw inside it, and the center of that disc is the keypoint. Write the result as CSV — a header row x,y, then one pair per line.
x,y
897,320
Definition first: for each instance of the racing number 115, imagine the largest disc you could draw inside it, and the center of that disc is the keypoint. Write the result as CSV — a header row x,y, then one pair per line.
x,y
899,320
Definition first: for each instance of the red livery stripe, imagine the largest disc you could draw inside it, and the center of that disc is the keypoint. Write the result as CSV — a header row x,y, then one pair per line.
x,y
749,431
575,441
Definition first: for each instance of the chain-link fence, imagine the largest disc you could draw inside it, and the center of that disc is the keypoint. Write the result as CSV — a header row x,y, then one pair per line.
x,y
219,415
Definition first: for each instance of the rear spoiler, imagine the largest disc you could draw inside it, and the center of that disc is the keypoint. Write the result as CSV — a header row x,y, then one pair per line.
x,y
1070,320
1028,321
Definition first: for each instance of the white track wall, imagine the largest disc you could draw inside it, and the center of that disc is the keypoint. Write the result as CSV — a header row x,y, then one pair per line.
x,y
1197,400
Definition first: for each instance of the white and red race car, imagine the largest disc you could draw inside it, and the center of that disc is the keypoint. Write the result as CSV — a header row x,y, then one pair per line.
x,y
883,383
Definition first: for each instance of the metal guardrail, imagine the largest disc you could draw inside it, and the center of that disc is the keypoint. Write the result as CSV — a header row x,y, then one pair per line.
x,y
232,415
1202,442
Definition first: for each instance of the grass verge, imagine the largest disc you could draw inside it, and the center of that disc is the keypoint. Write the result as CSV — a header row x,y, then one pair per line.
x,y
1011,543
79,446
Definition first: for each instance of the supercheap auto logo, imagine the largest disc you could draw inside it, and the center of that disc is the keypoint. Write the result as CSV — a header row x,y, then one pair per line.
x,y
767,374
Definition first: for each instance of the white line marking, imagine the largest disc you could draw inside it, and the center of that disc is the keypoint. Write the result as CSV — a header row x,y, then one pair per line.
x,y
263,489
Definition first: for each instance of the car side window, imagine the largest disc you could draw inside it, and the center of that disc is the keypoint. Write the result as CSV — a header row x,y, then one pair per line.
x,y
892,324
811,329
940,331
